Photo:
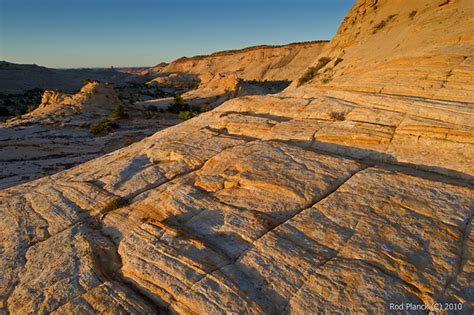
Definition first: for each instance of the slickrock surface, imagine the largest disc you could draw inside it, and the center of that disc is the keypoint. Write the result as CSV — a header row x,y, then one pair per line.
x,y
56,135
92,100
312,200
421,49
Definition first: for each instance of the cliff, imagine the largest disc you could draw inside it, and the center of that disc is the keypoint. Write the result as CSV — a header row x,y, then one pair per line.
x,y
271,63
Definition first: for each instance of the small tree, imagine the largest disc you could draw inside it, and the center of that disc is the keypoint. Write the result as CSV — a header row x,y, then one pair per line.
x,y
179,105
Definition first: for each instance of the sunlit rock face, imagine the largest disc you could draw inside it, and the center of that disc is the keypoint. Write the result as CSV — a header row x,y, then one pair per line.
x,y
328,197
261,63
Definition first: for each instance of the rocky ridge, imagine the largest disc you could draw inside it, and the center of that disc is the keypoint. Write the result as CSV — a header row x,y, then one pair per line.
x,y
270,63
19,78
318,199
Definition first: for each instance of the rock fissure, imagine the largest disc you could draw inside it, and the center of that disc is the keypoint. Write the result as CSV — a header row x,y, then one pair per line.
x,y
459,265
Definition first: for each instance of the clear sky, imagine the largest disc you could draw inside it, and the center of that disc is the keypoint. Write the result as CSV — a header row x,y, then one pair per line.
x,y
103,33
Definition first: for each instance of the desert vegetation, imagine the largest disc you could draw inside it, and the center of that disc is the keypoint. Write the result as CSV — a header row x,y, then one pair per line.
x,y
109,124
179,105
118,113
313,71
194,111
104,126
337,116
383,23
115,204
15,104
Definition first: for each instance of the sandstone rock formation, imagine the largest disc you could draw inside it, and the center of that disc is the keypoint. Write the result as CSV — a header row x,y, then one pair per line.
x,y
56,135
325,198
224,75
216,89
271,63
227,74
95,99
423,49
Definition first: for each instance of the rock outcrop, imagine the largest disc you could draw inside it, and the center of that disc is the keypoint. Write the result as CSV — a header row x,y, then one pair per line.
x,y
94,99
270,63
56,135
214,90
224,75
325,198
424,49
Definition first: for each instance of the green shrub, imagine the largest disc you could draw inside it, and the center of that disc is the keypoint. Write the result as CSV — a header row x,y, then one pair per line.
x,y
311,72
412,14
104,126
338,61
195,109
118,113
178,106
185,115
115,204
383,23
338,116
178,99
206,107
307,76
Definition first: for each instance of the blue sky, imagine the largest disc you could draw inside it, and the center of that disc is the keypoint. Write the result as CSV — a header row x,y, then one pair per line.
x,y
103,33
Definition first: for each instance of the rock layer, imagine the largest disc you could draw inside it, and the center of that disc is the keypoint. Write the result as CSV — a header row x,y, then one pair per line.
x,y
312,200
270,63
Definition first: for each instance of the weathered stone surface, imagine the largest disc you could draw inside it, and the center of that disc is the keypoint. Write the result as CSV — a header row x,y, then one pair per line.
x,y
56,135
309,201
261,63
418,49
